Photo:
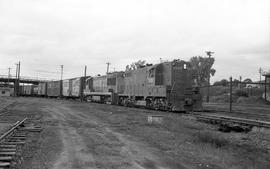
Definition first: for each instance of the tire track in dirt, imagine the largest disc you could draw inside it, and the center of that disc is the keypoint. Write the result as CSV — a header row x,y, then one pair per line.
x,y
90,143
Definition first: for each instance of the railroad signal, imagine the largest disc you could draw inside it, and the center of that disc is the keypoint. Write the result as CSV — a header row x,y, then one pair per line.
x,y
208,53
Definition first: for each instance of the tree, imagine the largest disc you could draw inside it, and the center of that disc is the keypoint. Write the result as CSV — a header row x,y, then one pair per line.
x,y
202,67
236,82
223,82
247,80
136,65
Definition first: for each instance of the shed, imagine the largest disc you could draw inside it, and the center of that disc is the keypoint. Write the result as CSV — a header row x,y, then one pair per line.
x,y
4,91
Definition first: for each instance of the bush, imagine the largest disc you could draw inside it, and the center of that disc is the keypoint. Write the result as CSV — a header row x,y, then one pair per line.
x,y
241,93
210,138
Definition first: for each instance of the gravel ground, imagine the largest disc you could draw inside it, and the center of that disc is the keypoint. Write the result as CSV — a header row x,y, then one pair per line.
x,y
86,135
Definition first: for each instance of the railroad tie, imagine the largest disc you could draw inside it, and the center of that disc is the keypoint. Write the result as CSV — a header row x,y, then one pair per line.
x,y
14,138
8,150
14,143
5,158
4,164
19,135
7,146
7,153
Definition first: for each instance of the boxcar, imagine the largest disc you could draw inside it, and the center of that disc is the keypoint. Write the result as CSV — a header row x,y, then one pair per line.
x,y
54,89
77,86
66,88
42,89
34,90
26,90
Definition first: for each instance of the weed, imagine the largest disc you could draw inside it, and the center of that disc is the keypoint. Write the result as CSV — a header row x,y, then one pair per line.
x,y
210,138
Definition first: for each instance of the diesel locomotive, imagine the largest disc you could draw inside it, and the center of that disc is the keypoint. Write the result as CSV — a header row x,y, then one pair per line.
x,y
164,86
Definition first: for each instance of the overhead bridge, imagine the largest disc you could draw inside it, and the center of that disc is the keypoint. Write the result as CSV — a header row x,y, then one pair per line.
x,y
23,79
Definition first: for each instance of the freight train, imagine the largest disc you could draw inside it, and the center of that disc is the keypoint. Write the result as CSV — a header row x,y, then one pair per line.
x,y
164,86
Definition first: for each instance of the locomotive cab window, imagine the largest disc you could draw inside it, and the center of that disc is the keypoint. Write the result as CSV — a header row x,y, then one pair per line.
x,y
185,66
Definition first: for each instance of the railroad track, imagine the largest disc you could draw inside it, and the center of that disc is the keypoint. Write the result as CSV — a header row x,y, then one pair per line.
x,y
234,120
241,111
11,143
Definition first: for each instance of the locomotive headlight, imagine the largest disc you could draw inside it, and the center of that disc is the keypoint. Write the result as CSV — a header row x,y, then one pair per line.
x,y
188,101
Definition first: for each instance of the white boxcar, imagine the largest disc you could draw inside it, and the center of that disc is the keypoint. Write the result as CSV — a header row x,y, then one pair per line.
x,y
76,87
42,89
66,88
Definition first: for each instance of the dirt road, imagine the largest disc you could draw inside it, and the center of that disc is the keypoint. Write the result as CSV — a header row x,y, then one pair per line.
x,y
88,142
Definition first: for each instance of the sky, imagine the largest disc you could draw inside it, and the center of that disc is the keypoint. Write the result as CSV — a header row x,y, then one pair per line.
x,y
44,34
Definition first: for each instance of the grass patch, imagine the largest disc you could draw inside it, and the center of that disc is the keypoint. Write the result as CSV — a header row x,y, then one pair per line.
x,y
210,138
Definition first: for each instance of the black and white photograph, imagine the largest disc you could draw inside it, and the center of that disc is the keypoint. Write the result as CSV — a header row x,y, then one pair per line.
x,y
134,84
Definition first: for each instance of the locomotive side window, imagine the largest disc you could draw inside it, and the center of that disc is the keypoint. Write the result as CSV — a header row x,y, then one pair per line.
x,y
151,73
111,81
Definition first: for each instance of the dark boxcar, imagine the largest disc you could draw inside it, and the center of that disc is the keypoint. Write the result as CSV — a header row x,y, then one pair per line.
x,y
54,89
26,90
42,89
34,90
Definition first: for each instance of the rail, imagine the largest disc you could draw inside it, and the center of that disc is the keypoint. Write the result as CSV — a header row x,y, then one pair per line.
x,y
15,126
244,121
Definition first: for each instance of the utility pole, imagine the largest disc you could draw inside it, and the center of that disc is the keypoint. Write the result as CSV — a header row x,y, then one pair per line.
x,y
265,88
8,75
84,83
209,54
15,82
240,81
108,66
16,69
62,66
260,72
230,94
85,68
19,71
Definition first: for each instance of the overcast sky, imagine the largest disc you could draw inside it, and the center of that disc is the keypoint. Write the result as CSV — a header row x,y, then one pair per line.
x,y
44,34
